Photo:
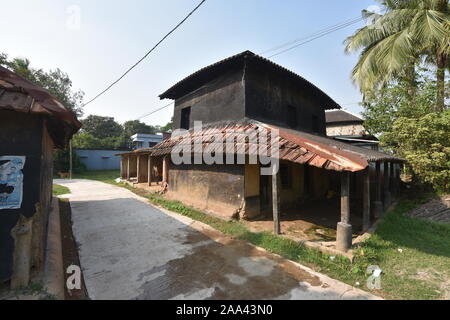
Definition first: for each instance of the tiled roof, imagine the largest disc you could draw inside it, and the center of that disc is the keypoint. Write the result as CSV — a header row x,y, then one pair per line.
x,y
295,146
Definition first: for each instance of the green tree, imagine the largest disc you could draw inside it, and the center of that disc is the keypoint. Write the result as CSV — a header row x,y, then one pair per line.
x,y
392,101
393,43
425,143
101,127
61,162
408,127
135,126
85,140
55,81
167,128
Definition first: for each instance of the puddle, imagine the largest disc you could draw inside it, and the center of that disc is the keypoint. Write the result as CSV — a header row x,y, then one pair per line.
x,y
234,270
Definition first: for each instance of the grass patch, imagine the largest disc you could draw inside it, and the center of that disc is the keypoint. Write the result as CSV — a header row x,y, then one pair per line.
x,y
60,190
422,269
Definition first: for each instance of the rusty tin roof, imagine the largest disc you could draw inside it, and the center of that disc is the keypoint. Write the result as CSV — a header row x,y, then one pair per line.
x,y
294,146
21,95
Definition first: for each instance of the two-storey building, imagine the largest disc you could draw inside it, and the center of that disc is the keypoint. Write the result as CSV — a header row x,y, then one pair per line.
x,y
233,99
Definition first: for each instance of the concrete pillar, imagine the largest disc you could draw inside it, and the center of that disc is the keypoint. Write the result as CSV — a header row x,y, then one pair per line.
x,y
366,201
378,204
149,169
276,199
387,192
128,167
166,169
139,167
344,229
121,167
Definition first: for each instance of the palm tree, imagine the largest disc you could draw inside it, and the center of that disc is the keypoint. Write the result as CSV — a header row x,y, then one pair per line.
x,y
393,42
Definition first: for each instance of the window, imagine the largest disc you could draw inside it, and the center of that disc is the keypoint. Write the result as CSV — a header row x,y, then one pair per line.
x,y
185,118
291,116
152,144
286,176
315,123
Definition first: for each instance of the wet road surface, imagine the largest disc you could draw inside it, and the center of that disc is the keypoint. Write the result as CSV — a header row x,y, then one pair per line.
x,y
130,249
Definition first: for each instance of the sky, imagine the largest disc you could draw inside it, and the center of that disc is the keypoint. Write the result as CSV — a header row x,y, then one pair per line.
x,y
96,41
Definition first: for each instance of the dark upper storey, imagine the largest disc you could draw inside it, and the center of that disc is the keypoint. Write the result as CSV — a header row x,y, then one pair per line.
x,y
249,86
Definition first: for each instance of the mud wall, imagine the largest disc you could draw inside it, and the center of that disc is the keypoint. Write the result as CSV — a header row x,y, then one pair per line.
x,y
21,134
292,196
40,220
143,168
252,192
218,100
345,130
270,94
217,189
133,166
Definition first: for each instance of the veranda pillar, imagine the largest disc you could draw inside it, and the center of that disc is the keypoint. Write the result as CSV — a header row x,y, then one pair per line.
x,y
344,228
276,199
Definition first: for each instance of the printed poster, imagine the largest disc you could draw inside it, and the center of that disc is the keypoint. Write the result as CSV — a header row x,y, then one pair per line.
x,y
11,181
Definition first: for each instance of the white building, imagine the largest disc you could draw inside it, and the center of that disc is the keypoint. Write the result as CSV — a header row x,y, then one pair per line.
x,y
143,140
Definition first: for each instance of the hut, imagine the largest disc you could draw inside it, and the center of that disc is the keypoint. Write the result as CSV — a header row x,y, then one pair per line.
x,y
33,123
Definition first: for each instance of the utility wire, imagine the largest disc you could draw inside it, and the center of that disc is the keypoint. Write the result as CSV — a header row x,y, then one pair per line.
x,y
154,111
315,35
310,35
345,25
145,56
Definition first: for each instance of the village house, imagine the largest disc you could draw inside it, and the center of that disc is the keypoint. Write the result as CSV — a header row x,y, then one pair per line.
x,y
33,123
347,127
318,178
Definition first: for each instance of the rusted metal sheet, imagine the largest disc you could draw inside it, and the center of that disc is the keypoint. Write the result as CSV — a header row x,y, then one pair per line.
x,y
20,95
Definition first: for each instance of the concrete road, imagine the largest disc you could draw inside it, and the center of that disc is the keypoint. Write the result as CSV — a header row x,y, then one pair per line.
x,y
130,249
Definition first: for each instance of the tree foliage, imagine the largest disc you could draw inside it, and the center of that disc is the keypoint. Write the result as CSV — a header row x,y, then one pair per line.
x,y
425,143
105,133
408,126
55,81
102,127
85,140
393,43
383,107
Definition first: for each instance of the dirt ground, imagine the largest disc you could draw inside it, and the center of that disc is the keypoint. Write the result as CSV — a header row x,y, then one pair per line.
x,y
315,221
437,210
70,251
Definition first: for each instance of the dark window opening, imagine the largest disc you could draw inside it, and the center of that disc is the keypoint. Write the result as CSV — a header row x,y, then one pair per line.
x,y
185,118
152,144
286,176
291,117
315,124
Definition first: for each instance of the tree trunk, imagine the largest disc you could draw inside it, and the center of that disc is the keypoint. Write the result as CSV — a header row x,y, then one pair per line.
x,y
440,82
410,73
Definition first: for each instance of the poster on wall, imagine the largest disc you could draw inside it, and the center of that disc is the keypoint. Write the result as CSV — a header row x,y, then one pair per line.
x,y
11,181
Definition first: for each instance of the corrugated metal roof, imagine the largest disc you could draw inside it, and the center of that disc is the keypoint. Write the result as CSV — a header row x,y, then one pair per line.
x,y
19,94
200,77
295,146
337,116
